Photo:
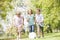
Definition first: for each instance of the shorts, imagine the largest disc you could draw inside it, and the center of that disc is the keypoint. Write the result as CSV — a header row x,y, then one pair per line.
x,y
19,28
39,28
31,27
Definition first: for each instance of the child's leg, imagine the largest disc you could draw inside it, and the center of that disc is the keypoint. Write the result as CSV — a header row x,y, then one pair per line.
x,y
32,28
38,30
19,31
17,34
42,32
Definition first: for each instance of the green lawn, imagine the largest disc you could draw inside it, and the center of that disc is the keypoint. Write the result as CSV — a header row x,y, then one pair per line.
x,y
48,36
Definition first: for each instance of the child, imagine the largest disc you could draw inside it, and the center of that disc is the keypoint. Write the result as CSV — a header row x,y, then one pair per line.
x,y
18,22
39,22
31,20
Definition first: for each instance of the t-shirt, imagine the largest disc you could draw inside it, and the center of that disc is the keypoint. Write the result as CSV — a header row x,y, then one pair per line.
x,y
31,19
39,19
18,20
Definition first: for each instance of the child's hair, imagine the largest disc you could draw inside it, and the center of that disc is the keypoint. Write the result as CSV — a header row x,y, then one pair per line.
x,y
31,11
18,13
38,9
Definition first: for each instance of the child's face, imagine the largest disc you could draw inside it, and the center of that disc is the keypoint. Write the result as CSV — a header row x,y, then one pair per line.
x,y
30,12
18,14
37,11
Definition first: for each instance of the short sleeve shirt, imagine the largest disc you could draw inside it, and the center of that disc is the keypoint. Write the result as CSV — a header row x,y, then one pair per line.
x,y
39,19
31,19
18,20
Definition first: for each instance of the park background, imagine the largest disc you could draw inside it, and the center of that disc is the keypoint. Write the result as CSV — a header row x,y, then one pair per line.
x,y
49,8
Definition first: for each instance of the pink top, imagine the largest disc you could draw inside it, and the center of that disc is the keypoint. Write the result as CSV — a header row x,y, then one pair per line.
x,y
18,21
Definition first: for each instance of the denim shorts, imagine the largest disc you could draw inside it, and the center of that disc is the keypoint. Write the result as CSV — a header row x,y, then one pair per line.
x,y
31,28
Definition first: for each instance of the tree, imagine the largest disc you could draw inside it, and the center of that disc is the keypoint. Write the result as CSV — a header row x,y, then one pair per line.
x,y
50,10
4,7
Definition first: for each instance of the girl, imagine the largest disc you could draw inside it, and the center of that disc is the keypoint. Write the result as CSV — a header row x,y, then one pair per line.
x,y
31,20
18,22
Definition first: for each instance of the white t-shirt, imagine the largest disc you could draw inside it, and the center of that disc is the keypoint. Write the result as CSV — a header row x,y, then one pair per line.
x,y
39,18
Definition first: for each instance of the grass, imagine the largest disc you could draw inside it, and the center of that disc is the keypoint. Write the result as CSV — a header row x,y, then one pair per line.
x,y
48,36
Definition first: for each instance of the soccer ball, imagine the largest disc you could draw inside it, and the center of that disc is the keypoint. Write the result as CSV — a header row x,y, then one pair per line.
x,y
32,35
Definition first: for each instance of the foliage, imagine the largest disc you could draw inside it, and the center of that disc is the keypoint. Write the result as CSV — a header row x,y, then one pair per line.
x,y
11,31
4,7
50,10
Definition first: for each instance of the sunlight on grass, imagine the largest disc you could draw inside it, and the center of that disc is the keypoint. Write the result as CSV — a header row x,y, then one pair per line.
x,y
49,36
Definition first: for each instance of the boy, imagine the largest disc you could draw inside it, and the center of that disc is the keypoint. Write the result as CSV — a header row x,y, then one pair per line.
x,y
39,22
